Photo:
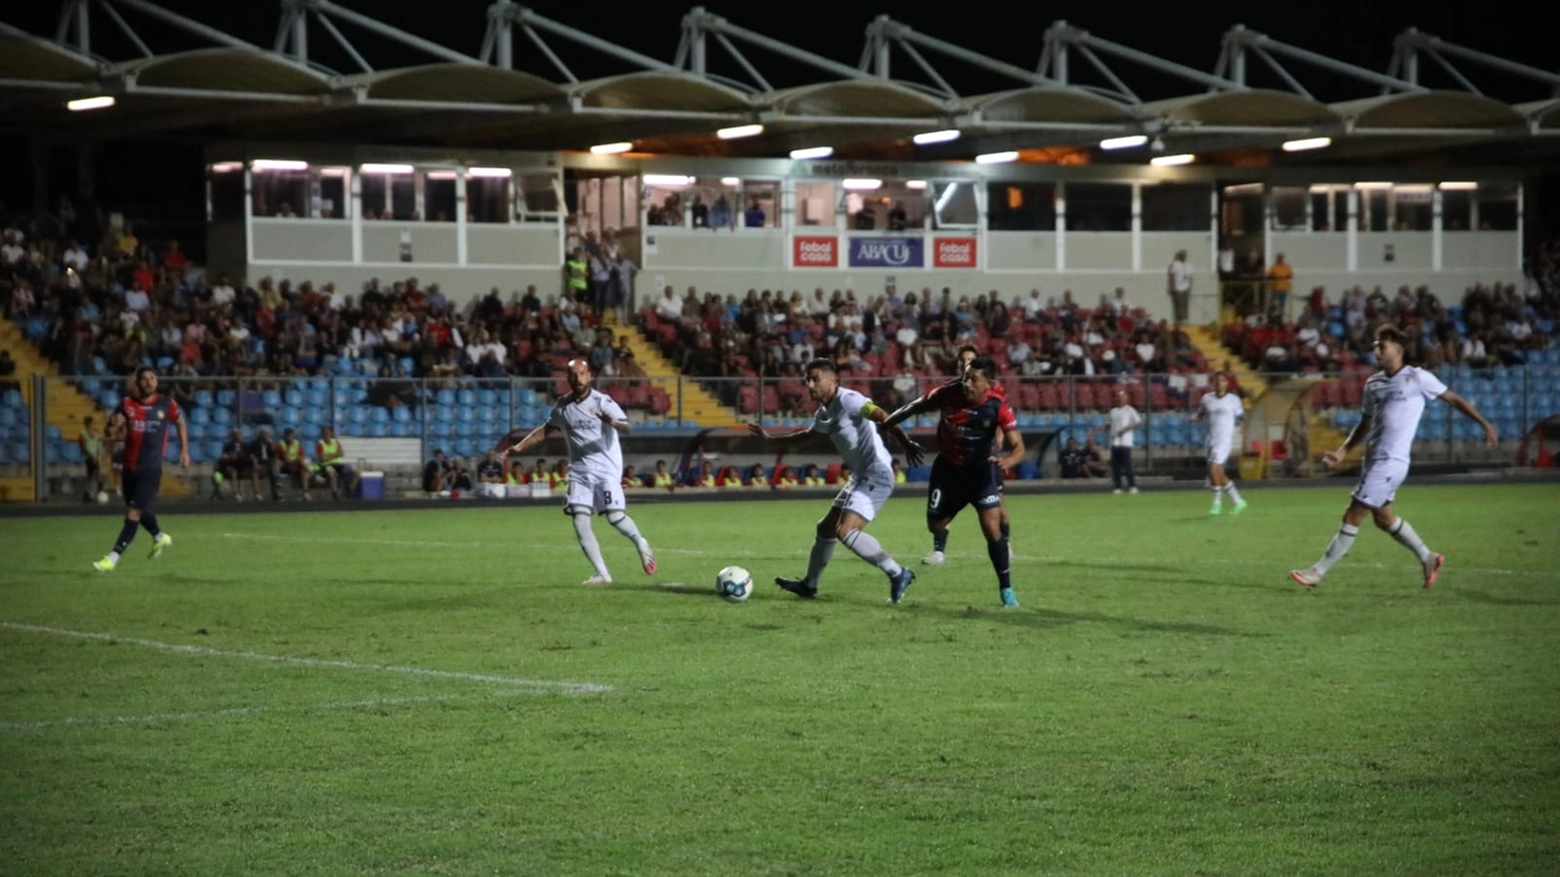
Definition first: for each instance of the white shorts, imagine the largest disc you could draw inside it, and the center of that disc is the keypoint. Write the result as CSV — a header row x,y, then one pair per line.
x,y
596,495
865,494
1379,483
491,490
1218,453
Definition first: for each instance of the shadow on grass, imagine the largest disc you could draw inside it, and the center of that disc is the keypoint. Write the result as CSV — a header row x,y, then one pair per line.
x,y
1039,617
1496,599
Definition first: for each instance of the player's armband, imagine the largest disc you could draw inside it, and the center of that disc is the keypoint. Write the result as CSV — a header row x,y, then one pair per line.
x,y
868,407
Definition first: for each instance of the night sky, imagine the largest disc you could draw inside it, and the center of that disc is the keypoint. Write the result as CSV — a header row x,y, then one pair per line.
x,y
1186,33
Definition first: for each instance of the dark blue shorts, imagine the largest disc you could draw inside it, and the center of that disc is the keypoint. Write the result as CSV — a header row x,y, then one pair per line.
x,y
140,487
954,487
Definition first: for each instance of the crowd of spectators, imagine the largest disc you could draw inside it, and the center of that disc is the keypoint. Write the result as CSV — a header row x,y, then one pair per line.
x,y
105,306
1491,325
892,341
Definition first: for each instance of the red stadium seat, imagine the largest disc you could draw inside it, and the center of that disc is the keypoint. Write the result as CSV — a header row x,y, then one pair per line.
x,y
834,473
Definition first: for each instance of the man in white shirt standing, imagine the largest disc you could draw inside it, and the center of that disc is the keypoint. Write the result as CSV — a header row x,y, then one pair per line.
x,y
1394,400
591,423
1180,283
1124,421
851,421
1222,410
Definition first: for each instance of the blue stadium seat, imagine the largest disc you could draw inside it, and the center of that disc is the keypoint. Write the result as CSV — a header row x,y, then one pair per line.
x,y
378,415
357,415
354,429
401,415
445,397
466,398
379,430
463,447
406,430
487,398
527,397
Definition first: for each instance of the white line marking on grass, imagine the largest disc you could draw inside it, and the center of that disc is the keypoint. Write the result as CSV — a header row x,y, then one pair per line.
x,y
537,684
191,715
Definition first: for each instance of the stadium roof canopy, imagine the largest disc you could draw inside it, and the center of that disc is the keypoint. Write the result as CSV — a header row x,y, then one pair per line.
x,y
234,89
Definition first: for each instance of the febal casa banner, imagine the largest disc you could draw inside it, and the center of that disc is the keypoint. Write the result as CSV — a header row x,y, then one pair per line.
x,y
886,252
813,251
953,253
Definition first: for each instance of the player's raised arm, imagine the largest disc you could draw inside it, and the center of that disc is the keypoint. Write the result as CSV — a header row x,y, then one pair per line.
x,y
919,405
531,438
1491,437
614,417
914,453
785,438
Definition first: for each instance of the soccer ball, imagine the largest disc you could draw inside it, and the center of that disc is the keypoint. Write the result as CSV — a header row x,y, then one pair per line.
x,y
102,497
734,583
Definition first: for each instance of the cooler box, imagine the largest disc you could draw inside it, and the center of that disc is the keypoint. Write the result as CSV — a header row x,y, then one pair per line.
x,y
372,485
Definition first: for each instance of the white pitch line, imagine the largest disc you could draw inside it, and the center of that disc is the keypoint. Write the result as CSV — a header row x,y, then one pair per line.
x,y
159,718
539,684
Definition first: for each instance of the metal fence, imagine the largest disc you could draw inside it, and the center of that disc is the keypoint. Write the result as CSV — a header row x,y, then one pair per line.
x,y
41,421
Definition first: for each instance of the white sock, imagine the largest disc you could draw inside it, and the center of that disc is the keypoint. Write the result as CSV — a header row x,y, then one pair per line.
x,y
1337,548
869,549
589,545
1218,495
1404,533
626,526
1232,493
822,551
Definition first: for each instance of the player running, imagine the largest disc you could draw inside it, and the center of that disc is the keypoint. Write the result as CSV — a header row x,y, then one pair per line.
x,y
967,470
141,422
591,423
1223,410
1394,400
851,421
938,557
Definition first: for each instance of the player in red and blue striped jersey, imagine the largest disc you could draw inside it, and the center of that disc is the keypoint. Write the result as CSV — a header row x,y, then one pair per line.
x,y
968,470
142,422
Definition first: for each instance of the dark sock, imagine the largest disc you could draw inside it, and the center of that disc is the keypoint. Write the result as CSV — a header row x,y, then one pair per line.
x,y
997,550
149,521
1006,531
939,540
126,534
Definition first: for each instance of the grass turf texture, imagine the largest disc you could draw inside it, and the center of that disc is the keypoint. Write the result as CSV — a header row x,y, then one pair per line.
x,y
1166,701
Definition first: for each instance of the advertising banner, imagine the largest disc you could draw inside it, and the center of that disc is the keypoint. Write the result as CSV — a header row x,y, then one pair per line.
x,y
953,253
887,252
811,251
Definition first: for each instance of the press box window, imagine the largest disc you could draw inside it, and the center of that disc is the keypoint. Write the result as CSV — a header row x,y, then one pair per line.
x,y
1021,206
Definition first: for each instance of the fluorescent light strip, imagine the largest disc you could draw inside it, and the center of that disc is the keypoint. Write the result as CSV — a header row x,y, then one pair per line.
x,y
996,157
861,183
611,148
223,167
1307,143
731,182
915,184
812,152
1372,185
386,169
1126,142
666,180
1459,186
439,175
943,136
89,103
275,164
495,172
1171,160
737,131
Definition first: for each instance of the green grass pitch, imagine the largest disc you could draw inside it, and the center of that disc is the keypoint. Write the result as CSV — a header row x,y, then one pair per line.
x,y
434,692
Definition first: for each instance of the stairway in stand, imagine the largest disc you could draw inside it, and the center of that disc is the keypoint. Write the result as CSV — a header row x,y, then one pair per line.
x,y
1206,340
66,405
688,396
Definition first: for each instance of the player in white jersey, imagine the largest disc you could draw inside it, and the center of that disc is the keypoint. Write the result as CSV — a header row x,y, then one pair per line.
x,y
591,423
851,421
1222,410
1394,401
